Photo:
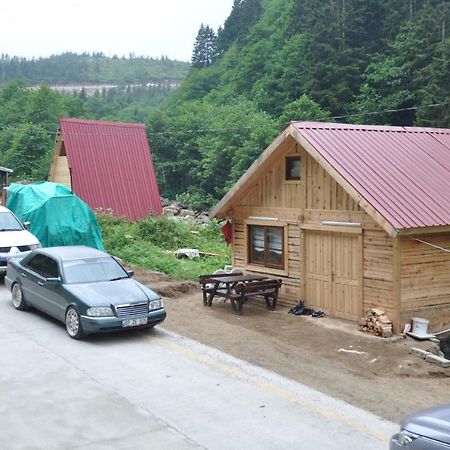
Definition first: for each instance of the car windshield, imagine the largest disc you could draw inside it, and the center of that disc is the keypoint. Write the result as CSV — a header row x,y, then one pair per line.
x,y
8,222
93,270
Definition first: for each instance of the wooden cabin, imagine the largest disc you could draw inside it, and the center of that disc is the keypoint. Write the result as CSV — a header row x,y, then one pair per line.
x,y
108,165
350,217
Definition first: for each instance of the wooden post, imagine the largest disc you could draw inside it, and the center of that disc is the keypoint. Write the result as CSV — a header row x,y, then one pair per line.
x,y
396,266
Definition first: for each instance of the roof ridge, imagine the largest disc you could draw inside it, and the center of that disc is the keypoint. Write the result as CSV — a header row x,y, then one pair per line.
x,y
360,127
100,122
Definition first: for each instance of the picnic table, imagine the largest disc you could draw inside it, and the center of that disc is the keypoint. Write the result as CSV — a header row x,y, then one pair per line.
x,y
238,287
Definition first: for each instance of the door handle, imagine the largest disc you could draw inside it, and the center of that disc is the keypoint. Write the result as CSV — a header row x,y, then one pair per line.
x,y
24,274
40,283
332,276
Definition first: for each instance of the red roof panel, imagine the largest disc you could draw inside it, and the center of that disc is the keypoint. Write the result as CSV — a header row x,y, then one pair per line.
x,y
404,173
111,166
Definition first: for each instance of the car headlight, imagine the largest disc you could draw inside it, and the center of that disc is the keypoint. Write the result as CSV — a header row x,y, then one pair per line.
x,y
100,311
34,246
405,437
155,304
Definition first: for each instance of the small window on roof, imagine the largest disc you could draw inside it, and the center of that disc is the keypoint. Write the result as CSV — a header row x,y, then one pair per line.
x,y
292,168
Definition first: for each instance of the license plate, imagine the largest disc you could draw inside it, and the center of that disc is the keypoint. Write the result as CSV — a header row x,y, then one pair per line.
x,y
134,322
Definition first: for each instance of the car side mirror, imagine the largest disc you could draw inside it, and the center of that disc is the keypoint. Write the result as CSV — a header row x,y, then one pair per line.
x,y
53,280
130,273
26,225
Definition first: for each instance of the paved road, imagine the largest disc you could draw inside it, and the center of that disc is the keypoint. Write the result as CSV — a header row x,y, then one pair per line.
x,y
157,390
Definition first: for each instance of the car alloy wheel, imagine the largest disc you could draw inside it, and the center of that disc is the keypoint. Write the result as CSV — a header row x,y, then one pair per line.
x,y
17,297
73,324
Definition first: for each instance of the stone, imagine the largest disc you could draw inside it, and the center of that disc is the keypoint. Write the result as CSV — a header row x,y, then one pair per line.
x,y
442,362
419,352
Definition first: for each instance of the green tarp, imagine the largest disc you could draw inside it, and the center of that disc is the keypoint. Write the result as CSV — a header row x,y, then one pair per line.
x,y
57,216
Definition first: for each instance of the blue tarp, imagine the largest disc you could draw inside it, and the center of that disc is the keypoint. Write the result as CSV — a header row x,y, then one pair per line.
x,y
57,215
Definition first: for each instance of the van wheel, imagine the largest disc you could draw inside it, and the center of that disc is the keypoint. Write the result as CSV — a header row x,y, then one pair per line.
x,y
18,300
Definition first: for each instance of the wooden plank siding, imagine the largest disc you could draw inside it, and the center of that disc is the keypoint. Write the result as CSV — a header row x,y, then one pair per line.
x,y
291,277
59,168
378,260
60,172
312,199
425,280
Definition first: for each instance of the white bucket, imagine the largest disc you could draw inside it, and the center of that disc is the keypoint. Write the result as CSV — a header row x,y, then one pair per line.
x,y
420,326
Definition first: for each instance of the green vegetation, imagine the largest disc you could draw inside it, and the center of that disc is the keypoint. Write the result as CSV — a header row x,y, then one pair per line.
x,y
280,60
273,61
150,244
29,119
96,68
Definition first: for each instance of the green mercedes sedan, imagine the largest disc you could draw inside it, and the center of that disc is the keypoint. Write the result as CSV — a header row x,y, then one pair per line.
x,y
85,288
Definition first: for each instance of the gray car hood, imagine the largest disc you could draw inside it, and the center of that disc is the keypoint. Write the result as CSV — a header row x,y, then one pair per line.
x,y
433,423
108,293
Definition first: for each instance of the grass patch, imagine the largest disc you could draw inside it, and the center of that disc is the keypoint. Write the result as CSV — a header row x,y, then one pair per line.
x,y
150,244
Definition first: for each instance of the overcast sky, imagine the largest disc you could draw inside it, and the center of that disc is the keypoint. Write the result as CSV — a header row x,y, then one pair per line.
x,y
143,27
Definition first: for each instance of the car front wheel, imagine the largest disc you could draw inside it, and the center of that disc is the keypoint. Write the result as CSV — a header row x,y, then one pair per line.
x,y
18,300
73,324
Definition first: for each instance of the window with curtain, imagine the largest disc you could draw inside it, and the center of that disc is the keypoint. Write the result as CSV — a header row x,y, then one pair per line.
x,y
266,246
293,168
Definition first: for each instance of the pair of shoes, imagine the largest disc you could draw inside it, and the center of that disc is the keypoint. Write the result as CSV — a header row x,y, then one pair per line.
x,y
297,309
318,313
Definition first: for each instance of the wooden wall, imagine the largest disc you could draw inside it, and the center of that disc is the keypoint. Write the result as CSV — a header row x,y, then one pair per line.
x,y
314,198
59,169
315,190
402,276
378,263
425,280
292,276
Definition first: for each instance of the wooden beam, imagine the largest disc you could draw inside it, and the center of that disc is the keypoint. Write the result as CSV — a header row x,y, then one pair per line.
x,y
396,269
58,144
330,228
424,230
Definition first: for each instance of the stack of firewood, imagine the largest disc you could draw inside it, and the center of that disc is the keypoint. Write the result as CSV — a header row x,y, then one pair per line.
x,y
376,322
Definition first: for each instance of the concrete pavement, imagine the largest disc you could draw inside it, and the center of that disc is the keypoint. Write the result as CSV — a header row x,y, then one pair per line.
x,y
154,389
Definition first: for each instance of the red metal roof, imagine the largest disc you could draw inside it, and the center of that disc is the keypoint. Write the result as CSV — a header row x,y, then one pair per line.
x,y
111,166
404,173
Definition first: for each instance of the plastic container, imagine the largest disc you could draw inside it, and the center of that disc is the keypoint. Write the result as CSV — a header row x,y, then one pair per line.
x,y
420,326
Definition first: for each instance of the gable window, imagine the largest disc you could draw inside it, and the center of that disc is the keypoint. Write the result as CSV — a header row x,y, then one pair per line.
x,y
266,246
293,168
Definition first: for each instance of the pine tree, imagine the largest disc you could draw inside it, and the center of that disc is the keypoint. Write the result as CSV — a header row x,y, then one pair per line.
x,y
205,47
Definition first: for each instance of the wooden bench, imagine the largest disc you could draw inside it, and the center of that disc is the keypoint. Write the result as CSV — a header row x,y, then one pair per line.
x,y
268,289
209,289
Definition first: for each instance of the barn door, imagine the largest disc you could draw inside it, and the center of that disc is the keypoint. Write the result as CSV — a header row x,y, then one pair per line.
x,y
332,273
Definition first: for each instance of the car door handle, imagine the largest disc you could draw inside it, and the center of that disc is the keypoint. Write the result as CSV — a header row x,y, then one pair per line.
x,y
24,274
40,283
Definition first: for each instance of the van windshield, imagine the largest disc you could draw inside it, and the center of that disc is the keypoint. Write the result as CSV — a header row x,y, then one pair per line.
x,y
8,222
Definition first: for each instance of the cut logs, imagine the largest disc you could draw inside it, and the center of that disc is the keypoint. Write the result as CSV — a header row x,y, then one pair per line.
x,y
376,322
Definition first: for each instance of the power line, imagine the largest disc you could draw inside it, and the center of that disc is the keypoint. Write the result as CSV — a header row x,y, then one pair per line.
x,y
229,129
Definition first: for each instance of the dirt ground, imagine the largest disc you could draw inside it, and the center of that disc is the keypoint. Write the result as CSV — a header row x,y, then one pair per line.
x,y
384,379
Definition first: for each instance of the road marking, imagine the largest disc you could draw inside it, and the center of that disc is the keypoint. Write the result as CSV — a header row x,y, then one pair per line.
x,y
282,393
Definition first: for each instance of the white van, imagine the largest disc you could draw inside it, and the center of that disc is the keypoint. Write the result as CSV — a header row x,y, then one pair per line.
x,y
15,240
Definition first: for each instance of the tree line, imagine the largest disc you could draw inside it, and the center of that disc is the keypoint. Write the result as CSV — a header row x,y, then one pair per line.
x,y
273,61
95,68
29,119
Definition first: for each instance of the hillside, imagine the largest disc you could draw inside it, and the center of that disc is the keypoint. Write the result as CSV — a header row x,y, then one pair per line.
x,y
273,61
72,68
356,61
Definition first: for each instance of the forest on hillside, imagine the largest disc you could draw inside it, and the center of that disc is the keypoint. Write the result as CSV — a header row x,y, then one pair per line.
x,y
272,61
95,68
